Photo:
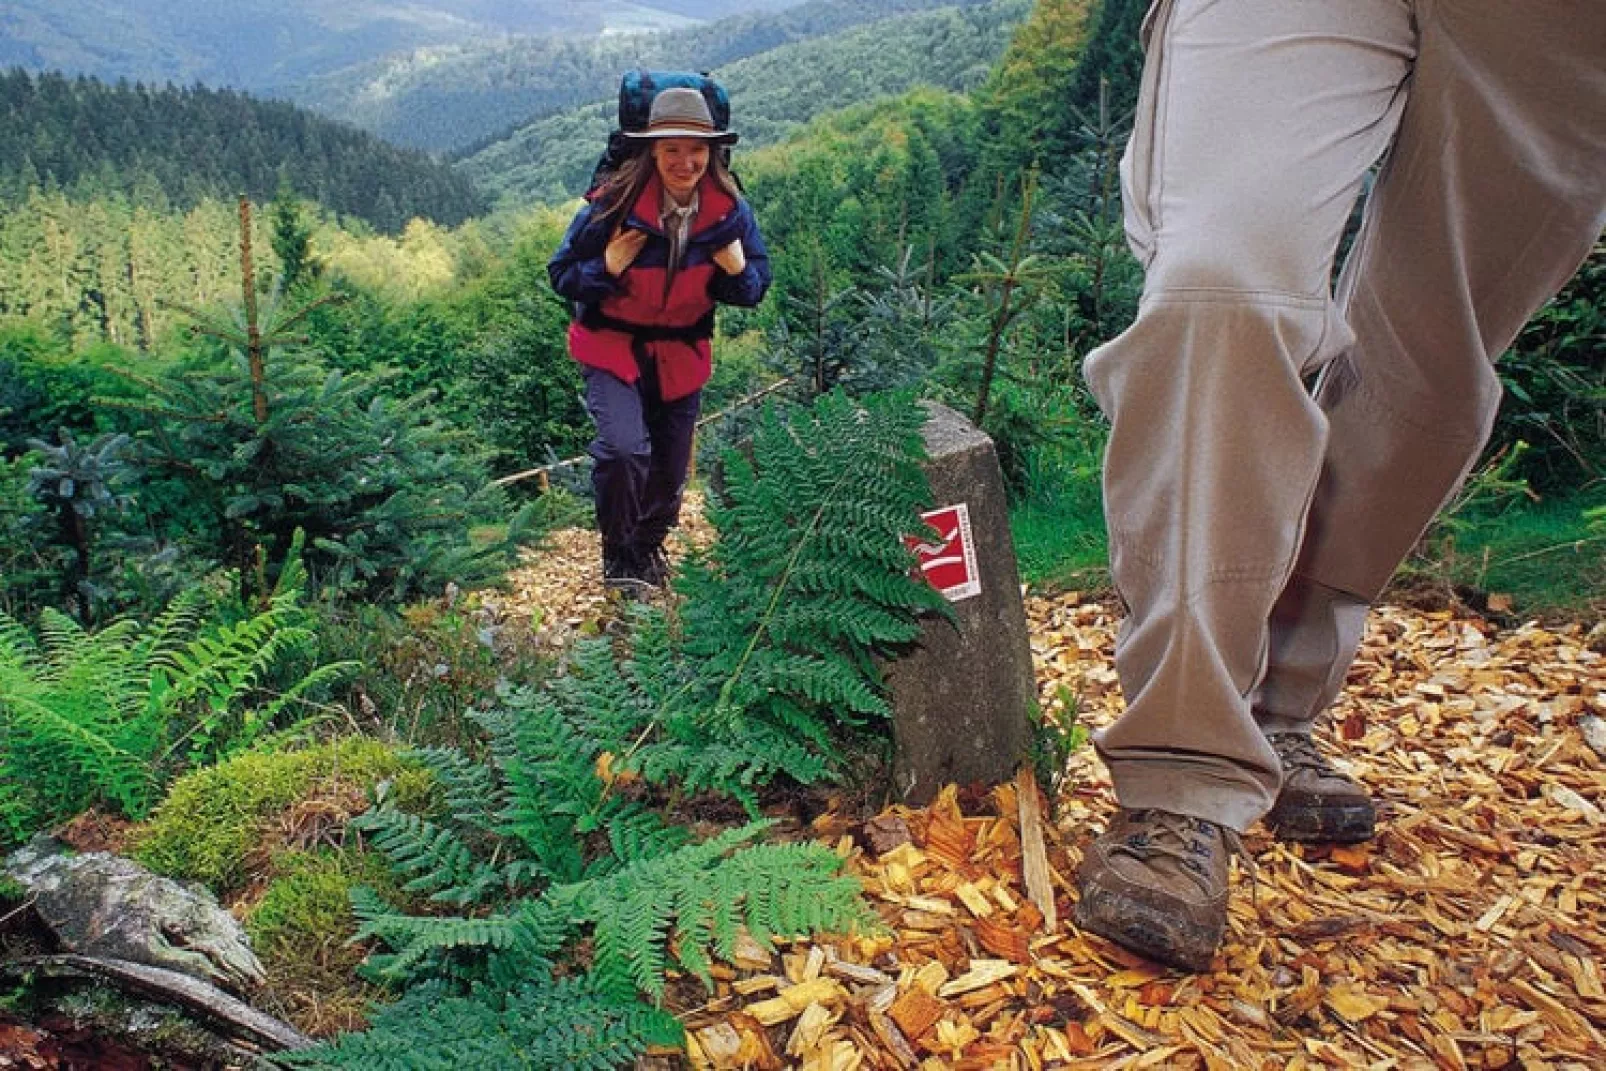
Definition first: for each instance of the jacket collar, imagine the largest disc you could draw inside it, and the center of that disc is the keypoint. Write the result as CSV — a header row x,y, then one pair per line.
x,y
713,205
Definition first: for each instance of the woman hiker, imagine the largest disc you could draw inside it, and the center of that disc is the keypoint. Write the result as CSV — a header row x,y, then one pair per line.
x,y
660,241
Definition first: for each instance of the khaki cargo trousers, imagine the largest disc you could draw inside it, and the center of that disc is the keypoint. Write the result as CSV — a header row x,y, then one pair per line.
x,y
1251,518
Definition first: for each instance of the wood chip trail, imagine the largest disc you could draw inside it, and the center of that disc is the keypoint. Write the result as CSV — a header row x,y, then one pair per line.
x,y
1470,933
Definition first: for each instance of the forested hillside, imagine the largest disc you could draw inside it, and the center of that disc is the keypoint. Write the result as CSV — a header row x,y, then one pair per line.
x,y
773,94
177,147
458,98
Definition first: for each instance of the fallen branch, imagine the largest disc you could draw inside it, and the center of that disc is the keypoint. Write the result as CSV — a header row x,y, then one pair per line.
x,y
1034,854
241,1023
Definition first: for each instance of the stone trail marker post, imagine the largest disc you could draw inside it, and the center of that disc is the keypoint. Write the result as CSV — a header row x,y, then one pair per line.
x,y
962,697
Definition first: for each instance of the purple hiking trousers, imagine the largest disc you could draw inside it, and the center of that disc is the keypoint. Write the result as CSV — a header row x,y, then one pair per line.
x,y
642,453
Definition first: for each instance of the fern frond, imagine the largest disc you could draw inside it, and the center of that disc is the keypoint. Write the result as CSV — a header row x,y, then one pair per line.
x,y
542,928
324,676
604,704
547,767
694,896
631,932
473,794
438,863
68,742
809,576
542,1025
415,938
170,628
636,834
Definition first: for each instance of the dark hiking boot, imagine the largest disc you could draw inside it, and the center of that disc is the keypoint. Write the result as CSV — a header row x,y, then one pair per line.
x,y
624,574
1156,882
1317,803
655,568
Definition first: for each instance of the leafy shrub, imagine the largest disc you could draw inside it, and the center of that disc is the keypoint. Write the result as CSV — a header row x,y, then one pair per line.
x,y
110,715
519,386
213,819
422,666
37,395
1555,386
270,443
385,492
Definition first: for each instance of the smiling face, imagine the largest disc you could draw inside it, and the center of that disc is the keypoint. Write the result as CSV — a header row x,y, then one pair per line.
x,y
681,163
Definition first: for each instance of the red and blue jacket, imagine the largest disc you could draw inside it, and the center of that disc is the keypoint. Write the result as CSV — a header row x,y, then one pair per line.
x,y
620,322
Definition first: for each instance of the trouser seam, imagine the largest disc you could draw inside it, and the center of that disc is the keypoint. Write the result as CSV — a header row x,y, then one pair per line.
x,y
1215,574
1231,295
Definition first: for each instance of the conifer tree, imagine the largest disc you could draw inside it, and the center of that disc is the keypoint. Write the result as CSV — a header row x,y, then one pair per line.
x,y
1024,109
292,239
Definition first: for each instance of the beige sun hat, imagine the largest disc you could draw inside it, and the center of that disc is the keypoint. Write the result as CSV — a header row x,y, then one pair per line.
x,y
682,113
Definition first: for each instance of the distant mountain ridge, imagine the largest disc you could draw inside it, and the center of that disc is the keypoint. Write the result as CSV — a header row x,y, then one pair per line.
x,y
261,45
455,99
773,93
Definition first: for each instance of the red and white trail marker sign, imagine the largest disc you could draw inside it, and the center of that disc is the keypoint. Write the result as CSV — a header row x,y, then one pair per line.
x,y
949,562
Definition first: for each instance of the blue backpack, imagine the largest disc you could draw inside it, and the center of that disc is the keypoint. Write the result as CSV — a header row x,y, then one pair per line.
x,y
636,92
638,88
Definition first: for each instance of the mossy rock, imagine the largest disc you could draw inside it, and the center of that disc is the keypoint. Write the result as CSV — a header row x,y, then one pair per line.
x,y
214,821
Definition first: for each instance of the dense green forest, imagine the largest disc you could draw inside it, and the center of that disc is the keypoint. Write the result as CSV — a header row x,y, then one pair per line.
x,y
462,98
249,523
774,93
176,147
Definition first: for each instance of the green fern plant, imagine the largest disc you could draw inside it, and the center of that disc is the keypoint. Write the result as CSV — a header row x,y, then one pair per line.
x,y
807,582
110,715
551,846
504,985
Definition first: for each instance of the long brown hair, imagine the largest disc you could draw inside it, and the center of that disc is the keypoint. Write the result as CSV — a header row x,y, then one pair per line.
x,y
618,192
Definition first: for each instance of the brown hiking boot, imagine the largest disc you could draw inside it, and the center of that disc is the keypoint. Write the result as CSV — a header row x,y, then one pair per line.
x,y
1156,882
1317,803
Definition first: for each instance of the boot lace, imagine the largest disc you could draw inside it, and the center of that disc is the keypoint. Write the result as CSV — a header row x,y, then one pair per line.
x,y
1298,752
1187,840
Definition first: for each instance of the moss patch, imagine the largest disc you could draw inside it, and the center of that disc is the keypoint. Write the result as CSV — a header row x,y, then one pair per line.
x,y
12,892
215,821
301,928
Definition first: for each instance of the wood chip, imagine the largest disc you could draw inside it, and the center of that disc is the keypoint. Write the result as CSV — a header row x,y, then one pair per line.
x,y
855,972
794,999
931,977
750,955
893,1042
1004,939
974,899
1594,733
982,973
810,1029
916,1012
